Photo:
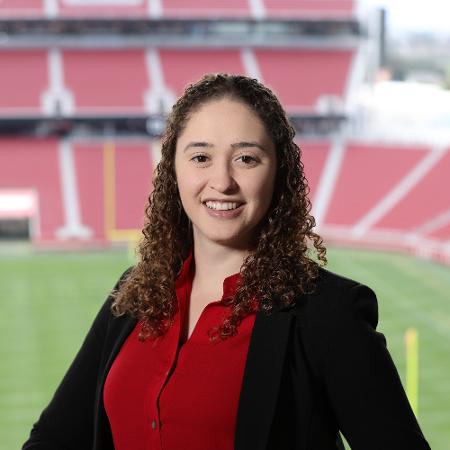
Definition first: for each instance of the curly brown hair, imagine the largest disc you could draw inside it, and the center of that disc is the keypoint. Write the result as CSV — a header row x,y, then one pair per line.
x,y
283,263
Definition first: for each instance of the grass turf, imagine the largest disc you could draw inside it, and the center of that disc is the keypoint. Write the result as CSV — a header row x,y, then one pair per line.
x,y
48,302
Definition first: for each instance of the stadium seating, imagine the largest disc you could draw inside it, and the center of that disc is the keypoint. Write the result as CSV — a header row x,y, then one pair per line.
x,y
441,233
33,163
312,8
314,155
178,8
426,200
119,189
206,8
117,81
367,178
306,75
21,8
106,81
367,174
117,8
20,93
88,160
183,66
94,190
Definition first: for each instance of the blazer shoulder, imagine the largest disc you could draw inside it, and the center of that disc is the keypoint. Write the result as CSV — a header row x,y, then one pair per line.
x,y
331,280
333,296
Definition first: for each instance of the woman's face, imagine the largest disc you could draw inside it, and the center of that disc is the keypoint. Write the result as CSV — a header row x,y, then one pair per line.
x,y
225,166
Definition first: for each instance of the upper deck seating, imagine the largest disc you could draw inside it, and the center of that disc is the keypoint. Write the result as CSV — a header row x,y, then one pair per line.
x,y
23,79
108,81
309,8
301,77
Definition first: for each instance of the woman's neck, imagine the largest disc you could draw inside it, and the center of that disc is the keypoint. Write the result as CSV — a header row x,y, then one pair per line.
x,y
214,262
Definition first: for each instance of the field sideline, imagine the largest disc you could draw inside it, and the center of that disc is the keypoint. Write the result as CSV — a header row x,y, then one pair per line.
x,y
48,302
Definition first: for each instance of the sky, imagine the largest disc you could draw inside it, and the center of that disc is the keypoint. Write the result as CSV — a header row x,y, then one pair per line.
x,y
416,15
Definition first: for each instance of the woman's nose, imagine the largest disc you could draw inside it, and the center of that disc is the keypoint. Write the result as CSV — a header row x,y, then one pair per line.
x,y
222,179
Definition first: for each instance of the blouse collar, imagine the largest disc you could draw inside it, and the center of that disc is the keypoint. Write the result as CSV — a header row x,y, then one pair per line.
x,y
230,283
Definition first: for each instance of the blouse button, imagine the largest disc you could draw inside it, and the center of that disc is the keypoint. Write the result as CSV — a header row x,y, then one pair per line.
x,y
154,424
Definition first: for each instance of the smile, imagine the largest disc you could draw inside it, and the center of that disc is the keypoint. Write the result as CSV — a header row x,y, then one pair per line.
x,y
222,206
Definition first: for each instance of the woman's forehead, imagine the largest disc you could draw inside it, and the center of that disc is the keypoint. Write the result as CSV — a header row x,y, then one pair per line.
x,y
222,120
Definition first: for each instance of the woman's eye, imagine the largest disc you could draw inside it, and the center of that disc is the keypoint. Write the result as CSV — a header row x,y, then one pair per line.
x,y
247,159
199,158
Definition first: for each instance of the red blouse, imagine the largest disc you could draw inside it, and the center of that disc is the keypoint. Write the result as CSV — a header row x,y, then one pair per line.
x,y
167,394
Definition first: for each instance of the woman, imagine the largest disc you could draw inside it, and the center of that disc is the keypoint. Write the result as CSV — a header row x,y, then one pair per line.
x,y
228,333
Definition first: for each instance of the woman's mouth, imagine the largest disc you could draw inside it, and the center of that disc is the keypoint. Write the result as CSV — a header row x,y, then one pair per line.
x,y
222,206
224,210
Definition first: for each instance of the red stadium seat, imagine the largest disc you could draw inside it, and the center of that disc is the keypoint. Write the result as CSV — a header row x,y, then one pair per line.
x,y
314,155
205,8
108,81
89,8
181,67
23,79
21,8
301,77
441,233
309,8
131,161
367,174
426,200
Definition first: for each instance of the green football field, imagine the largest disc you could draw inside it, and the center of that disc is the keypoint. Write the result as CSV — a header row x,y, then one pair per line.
x,y
49,300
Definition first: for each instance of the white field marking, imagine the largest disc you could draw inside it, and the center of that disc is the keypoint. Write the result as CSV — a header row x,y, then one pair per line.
x,y
158,99
399,191
250,64
328,180
69,188
57,93
257,9
155,8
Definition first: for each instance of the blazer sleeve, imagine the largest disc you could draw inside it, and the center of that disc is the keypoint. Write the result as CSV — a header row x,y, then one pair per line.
x,y
362,383
68,421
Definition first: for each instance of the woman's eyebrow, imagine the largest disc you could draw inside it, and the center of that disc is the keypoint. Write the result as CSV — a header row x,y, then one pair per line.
x,y
245,144
198,144
242,144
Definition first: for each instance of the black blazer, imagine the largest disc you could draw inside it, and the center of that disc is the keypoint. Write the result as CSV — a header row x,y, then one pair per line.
x,y
312,369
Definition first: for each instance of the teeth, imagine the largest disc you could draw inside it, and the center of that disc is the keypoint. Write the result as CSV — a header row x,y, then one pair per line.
x,y
222,206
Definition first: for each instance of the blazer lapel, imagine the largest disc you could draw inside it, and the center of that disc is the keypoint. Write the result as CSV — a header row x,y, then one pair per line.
x,y
262,377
